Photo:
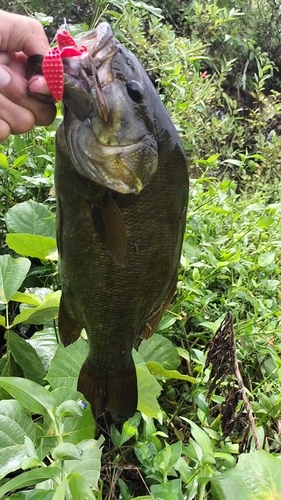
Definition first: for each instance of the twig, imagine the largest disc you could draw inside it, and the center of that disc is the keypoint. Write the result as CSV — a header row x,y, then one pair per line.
x,y
242,388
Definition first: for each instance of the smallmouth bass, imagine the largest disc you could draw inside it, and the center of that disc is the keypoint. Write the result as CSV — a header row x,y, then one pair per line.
x,y
122,185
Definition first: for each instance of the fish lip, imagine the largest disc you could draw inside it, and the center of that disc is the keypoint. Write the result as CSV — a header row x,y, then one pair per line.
x,y
102,47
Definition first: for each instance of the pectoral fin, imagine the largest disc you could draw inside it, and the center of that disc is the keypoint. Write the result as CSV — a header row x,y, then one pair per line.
x,y
111,229
68,328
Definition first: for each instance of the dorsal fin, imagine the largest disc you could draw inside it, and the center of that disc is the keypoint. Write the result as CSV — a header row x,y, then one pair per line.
x,y
111,229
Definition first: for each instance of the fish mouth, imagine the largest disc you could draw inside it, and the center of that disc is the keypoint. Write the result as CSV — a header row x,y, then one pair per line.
x,y
92,71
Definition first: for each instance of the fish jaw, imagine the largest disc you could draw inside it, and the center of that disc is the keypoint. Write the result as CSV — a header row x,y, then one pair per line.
x,y
98,124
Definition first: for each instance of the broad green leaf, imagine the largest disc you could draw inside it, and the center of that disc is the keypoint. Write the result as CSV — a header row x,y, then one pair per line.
x,y
32,245
79,487
2,320
160,349
89,464
30,478
12,274
15,424
45,344
171,490
66,365
42,314
149,390
257,476
157,369
26,298
266,258
31,395
26,357
32,218
75,429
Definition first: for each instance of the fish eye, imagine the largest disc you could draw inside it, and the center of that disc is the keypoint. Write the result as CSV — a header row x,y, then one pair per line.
x,y
135,91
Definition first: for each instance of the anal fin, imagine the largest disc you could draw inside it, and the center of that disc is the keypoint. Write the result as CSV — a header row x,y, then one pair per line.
x,y
104,390
111,229
152,321
68,328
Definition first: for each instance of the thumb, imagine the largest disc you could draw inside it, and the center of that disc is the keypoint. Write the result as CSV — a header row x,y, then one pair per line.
x,y
20,33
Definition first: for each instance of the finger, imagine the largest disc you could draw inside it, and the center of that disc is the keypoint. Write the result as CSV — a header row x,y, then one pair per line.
x,y
15,90
14,118
4,130
17,61
37,84
21,33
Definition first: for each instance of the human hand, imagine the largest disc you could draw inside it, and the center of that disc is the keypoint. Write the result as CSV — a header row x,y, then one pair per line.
x,y
21,37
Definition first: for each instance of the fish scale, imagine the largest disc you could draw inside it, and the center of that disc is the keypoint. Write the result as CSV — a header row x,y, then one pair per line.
x,y
119,245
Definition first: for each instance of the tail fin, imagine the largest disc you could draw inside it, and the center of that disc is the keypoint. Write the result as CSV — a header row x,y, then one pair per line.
x,y
116,392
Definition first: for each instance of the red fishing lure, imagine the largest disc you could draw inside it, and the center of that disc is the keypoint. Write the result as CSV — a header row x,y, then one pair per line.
x,y
52,66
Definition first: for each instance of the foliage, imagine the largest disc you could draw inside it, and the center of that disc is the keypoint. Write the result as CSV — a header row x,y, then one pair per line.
x,y
178,447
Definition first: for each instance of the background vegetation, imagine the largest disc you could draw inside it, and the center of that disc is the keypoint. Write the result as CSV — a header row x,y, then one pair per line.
x,y
215,358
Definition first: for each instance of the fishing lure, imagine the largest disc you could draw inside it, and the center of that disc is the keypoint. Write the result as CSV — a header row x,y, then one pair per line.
x,y
52,65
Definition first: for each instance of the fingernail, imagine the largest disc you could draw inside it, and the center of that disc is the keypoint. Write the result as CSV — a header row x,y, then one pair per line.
x,y
5,77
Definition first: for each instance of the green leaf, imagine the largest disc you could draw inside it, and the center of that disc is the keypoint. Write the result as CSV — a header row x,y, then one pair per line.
x,y
32,218
66,365
266,259
32,245
201,437
79,487
12,274
30,463
166,322
26,298
26,357
168,491
31,395
157,369
15,425
34,495
154,10
160,349
45,344
4,161
20,160
29,479
265,221
42,314
257,475
69,408
66,451
149,390
167,457
75,429
89,464
61,490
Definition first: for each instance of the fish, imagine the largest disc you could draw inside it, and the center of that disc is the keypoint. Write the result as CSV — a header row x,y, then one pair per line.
x,y
121,182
